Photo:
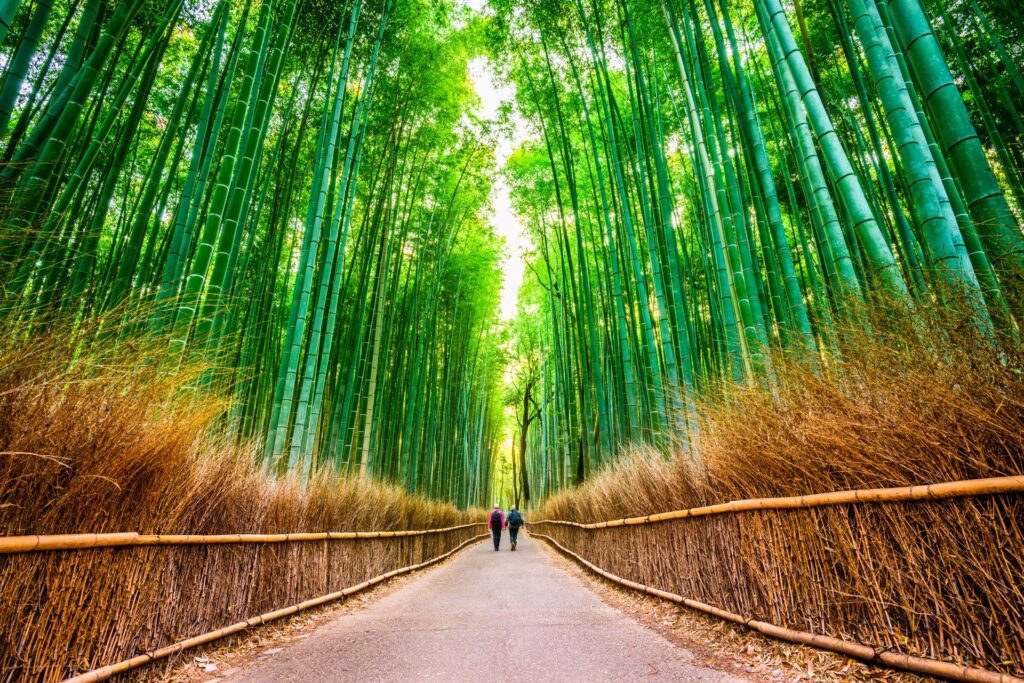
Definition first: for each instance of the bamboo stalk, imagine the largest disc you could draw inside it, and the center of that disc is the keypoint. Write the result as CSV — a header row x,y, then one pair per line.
x,y
103,673
950,489
24,544
894,660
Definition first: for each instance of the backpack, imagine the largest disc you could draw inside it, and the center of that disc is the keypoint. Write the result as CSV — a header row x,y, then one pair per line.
x,y
515,519
495,521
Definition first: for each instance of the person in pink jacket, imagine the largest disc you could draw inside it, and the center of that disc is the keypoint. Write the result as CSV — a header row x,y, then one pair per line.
x,y
496,522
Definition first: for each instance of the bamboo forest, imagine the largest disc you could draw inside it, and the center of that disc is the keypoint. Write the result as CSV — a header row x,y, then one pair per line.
x,y
283,266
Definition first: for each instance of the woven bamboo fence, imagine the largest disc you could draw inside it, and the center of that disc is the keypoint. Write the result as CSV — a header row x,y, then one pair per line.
x,y
924,571
78,602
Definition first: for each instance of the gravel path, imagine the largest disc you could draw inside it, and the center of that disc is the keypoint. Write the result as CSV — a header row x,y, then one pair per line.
x,y
486,616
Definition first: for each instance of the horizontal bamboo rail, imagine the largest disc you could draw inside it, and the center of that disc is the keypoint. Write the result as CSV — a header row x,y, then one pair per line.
x,y
26,544
949,489
893,660
103,673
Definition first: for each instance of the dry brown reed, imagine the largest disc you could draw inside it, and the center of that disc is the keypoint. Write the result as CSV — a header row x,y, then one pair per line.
x,y
109,442
938,579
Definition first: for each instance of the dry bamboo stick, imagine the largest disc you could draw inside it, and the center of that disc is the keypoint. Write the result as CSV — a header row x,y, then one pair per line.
x,y
103,673
949,489
25,544
894,660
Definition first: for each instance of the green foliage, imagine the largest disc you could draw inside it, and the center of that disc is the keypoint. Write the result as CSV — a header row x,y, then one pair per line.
x,y
297,192
711,184
183,196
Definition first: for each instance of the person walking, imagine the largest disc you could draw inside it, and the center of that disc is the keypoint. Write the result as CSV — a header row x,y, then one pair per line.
x,y
514,522
495,522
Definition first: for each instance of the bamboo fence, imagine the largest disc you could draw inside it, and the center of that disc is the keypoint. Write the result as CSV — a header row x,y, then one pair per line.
x,y
895,660
75,602
106,672
929,574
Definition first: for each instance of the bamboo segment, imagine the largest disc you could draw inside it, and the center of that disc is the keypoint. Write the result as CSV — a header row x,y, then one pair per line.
x,y
895,660
103,673
25,544
950,489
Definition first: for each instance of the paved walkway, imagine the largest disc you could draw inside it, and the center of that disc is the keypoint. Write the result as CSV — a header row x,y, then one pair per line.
x,y
483,617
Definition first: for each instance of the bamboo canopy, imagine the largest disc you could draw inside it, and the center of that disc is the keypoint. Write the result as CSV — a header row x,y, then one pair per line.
x,y
950,489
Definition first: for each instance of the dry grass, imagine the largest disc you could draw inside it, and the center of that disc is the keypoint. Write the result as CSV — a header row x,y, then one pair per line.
x,y
938,579
109,442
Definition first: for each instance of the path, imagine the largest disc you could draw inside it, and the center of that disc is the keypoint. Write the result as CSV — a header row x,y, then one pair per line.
x,y
484,617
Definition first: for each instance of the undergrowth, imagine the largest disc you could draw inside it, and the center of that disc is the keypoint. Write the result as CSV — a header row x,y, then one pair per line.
x,y
886,406
103,439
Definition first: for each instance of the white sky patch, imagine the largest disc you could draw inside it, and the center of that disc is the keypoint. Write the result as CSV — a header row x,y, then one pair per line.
x,y
503,219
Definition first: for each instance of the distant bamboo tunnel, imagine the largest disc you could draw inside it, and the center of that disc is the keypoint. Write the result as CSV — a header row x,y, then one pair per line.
x,y
871,655
950,489
24,544
106,672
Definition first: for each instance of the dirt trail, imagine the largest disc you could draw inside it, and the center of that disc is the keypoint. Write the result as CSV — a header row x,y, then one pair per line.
x,y
486,616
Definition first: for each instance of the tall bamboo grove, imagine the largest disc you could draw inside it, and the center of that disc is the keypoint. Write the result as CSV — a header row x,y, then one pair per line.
x,y
295,194
712,185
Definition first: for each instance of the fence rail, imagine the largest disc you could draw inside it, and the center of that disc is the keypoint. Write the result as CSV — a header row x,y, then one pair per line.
x,y
950,489
39,543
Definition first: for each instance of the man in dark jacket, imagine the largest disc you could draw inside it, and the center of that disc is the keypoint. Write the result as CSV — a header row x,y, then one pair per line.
x,y
495,522
515,521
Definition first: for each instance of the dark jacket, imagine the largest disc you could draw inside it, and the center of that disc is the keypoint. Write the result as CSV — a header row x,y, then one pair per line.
x,y
515,519
501,523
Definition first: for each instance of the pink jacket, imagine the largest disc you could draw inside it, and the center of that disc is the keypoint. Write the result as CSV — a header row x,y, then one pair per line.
x,y
502,519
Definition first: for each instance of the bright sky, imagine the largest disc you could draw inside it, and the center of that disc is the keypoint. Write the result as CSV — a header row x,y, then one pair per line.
x,y
504,219
492,94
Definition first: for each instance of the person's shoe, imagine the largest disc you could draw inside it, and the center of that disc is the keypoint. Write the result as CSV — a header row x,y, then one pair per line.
x,y
513,545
